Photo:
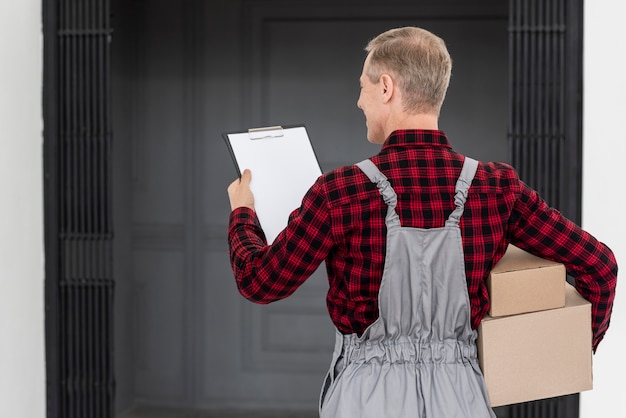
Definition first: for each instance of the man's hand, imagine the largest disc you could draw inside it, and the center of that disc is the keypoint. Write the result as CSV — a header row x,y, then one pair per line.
x,y
239,192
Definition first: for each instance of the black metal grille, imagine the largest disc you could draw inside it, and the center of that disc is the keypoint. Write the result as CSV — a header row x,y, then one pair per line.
x,y
561,407
79,238
544,119
545,124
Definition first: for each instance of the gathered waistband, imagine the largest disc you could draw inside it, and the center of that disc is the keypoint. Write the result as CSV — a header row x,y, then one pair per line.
x,y
404,350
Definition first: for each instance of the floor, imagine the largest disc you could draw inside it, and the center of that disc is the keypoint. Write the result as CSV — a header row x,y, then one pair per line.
x,y
149,412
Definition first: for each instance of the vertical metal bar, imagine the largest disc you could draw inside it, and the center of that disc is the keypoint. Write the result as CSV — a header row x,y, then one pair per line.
x,y
71,256
87,129
550,408
511,118
67,348
518,81
73,317
560,93
545,149
93,384
556,103
74,194
574,109
532,92
516,54
52,84
110,366
110,288
107,118
99,348
545,80
64,82
70,165
92,289
554,144
78,280
559,90
103,366
96,72
541,62
561,66
60,103
83,159
100,71
549,33
98,402
513,109
524,81
89,287
81,341
82,279
96,407
107,291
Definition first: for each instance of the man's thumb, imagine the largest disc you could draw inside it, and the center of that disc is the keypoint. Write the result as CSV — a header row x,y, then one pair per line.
x,y
246,176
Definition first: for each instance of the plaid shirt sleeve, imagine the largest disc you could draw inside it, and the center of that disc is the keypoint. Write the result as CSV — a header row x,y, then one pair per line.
x,y
268,273
543,231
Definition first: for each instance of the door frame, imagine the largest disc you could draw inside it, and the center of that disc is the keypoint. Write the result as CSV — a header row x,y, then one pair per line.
x,y
54,113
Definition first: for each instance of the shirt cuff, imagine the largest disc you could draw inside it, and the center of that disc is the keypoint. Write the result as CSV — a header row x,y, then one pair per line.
x,y
243,215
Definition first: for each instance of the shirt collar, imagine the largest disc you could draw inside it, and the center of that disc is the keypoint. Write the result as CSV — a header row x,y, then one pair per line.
x,y
417,138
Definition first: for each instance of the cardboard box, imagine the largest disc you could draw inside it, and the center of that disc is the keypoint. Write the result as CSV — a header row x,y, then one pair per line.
x,y
537,355
521,282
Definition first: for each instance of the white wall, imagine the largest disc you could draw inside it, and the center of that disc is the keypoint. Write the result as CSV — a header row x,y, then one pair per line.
x,y
22,370
22,376
604,195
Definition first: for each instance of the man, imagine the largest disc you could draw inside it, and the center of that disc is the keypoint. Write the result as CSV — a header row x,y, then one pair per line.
x,y
425,222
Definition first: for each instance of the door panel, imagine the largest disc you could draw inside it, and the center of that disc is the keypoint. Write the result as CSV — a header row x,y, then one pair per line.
x,y
305,79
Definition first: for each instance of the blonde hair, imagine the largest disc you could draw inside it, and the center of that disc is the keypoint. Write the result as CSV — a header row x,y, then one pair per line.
x,y
420,63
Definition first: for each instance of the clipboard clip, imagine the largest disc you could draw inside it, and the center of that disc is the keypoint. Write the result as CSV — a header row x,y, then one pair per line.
x,y
267,132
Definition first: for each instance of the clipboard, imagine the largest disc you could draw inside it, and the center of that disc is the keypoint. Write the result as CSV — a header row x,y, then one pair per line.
x,y
283,165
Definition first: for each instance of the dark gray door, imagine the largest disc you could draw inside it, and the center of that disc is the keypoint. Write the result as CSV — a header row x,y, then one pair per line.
x,y
184,73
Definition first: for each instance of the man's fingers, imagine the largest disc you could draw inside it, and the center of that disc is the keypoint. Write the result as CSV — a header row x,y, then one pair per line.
x,y
239,191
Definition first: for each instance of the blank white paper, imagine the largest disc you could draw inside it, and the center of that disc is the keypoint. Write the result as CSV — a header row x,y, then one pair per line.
x,y
283,166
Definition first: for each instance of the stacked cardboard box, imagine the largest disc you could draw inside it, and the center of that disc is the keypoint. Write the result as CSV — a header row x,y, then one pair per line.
x,y
536,342
522,282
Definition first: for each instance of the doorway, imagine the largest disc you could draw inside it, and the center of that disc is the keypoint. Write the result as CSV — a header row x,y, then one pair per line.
x,y
181,74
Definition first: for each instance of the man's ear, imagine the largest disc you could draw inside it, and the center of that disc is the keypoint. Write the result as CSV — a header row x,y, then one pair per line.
x,y
387,87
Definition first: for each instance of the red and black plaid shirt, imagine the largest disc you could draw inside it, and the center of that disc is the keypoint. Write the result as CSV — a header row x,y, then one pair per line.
x,y
342,221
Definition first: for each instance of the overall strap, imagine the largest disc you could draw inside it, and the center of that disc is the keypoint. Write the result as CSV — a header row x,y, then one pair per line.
x,y
385,189
461,190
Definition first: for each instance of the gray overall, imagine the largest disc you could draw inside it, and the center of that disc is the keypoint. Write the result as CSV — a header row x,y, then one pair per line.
x,y
419,358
